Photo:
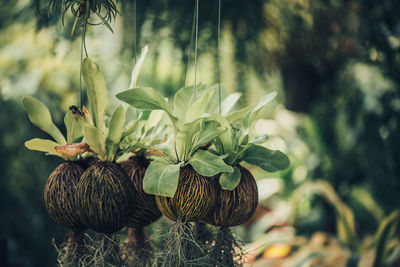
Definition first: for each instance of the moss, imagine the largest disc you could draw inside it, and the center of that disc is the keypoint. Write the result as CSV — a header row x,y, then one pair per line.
x,y
180,248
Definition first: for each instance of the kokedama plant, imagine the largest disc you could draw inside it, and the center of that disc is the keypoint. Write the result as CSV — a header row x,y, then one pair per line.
x,y
236,192
181,178
59,190
105,196
147,134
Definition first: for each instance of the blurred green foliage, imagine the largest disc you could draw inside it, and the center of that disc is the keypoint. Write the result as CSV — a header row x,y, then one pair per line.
x,y
336,64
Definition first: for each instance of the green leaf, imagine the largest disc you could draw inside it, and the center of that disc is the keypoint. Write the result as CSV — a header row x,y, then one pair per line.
x,y
208,164
96,91
238,114
252,115
208,132
161,178
184,98
74,128
115,132
261,139
137,67
199,107
40,116
228,103
184,137
224,142
146,98
269,160
95,139
229,181
130,128
43,145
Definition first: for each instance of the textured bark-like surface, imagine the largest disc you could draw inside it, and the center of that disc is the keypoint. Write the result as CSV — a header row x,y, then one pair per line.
x,y
59,194
193,198
234,207
105,197
146,206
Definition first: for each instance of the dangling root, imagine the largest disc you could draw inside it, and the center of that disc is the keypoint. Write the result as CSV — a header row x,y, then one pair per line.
x,y
181,248
226,250
71,252
203,235
103,250
136,250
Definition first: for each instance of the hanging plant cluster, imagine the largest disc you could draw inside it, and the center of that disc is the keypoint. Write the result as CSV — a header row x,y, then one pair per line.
x,y
184,161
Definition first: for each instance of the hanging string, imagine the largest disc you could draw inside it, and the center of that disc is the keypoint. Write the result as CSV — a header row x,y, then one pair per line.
x,y
80,71
190,45
83,48
134,29
195,50
218,45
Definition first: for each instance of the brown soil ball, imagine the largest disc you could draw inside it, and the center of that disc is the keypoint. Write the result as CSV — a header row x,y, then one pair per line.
x,y
105,197
234,207
146,206
59,194
193,198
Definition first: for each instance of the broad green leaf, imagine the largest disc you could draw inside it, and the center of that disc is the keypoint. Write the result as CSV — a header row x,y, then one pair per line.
x,y
154,118
228,103
184,98
261,139
161,178
184,137
269,160
74,128
96,140
40,116
96,91
238,114
208,132
229,181
224,141
43,145
208,164
137,67
115,131
199,107
146,98
252,115
130,128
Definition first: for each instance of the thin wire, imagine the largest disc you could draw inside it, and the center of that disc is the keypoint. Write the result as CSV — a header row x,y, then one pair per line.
x,y
218,44
134,29
80,70
190,45
195,50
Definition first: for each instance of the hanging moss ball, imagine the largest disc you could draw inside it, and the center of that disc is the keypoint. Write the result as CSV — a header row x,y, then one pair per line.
x,y
193,198
146,206
105,197
234,207
59,194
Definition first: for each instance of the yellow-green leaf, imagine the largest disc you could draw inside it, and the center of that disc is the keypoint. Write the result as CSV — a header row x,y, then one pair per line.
x,y
40,116
96,91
